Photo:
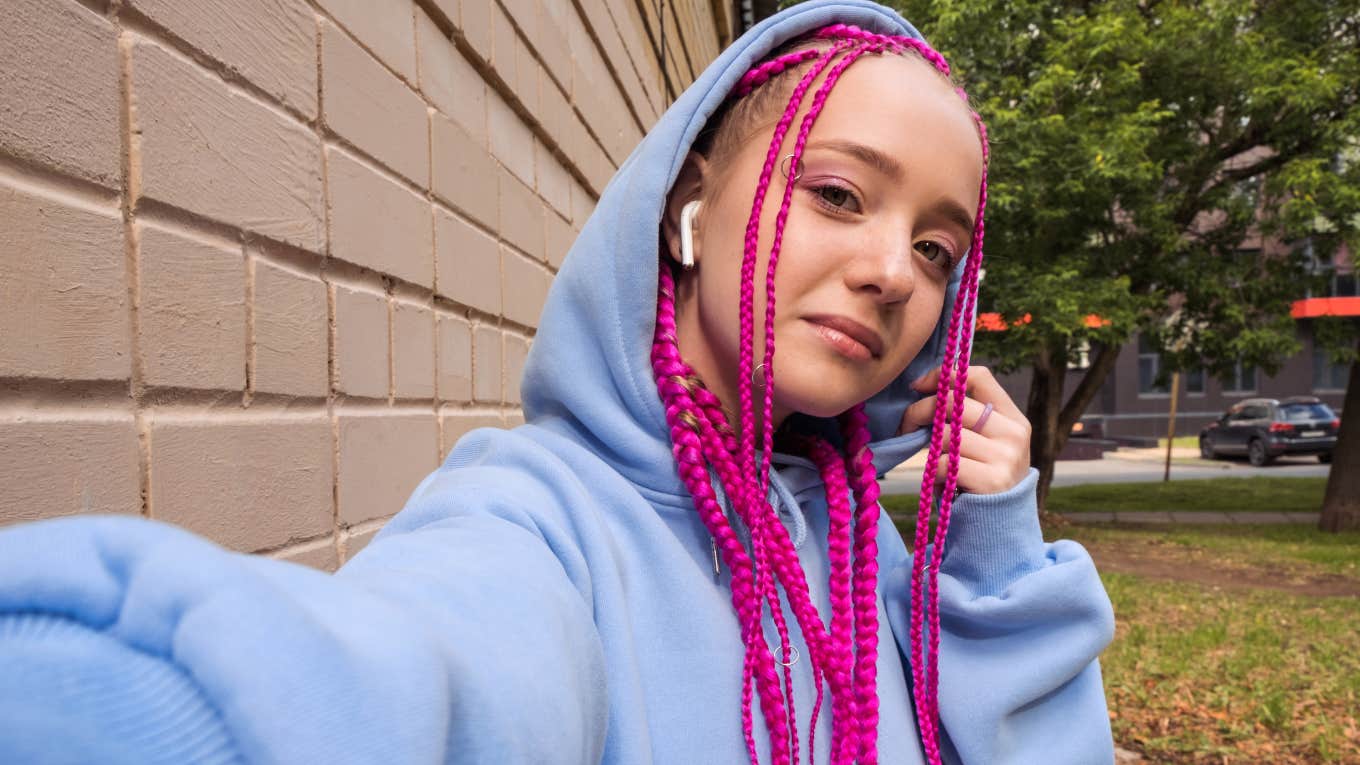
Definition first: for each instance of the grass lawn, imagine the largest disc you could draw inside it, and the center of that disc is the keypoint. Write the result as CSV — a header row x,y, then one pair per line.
x,y
1237,659
1191,442
1233,644
1256,494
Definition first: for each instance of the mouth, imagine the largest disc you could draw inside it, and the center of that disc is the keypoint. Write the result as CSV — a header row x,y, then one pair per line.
x,y
848,336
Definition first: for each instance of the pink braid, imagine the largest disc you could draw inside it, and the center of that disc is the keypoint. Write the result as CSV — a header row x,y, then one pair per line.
x,y
968,288
845,720
688,450
860,461
764,71
701,434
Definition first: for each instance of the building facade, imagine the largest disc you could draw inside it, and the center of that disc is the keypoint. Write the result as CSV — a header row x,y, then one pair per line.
x,y
263,262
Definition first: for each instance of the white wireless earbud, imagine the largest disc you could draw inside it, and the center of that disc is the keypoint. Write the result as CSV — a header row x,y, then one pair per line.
x,y
687,234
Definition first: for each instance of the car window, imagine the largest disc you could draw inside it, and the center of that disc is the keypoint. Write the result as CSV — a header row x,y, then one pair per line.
x,y
1306,412
1254,413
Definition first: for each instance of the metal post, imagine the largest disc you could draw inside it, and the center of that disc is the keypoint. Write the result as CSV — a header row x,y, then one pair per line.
x,y
1171,424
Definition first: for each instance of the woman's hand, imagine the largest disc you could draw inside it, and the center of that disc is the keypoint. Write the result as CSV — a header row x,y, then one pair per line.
x,y
993,455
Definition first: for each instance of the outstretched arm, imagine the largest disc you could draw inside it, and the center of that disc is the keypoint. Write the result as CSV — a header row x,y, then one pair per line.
x,y
452,637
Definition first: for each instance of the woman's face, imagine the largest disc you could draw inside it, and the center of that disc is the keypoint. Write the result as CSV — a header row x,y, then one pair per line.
x,y
882,211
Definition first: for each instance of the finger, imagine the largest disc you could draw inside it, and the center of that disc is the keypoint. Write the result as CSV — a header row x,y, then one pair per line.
x,y
997,426
976,476
981,385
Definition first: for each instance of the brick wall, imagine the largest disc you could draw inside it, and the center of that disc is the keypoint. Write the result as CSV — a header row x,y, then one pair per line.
x,y
263,262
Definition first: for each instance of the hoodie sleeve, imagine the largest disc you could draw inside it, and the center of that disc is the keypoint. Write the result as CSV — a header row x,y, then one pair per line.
x,y
1022,623
451,636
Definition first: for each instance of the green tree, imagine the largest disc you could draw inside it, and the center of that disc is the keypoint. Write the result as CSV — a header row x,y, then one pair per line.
x,y
1136,147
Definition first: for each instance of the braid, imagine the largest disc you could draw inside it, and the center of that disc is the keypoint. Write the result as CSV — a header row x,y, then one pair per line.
x,y
688,451
844,653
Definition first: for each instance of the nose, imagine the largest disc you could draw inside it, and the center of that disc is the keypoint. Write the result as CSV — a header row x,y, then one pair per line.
x,y
884,268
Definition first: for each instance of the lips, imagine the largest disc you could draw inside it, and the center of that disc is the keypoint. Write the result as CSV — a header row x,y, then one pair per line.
x,y
846,332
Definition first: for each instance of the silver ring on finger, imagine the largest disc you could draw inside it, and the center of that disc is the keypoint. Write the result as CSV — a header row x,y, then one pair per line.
x,y
982,418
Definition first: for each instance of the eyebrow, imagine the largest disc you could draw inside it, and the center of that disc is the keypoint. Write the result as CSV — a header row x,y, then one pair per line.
x,y
866,154
890,167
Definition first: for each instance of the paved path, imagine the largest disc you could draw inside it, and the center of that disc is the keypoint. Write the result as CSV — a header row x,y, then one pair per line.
x,y
1131,465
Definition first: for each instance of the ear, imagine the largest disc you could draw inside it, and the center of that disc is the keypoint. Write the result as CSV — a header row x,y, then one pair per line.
x,y
689,186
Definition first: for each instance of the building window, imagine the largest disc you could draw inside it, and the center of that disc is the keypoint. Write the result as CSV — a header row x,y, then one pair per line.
x,y
1194,381
1344,285
1327,374
1149,367
1242,379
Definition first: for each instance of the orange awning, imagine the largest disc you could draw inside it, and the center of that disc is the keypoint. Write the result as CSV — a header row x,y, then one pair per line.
x,y
1325,306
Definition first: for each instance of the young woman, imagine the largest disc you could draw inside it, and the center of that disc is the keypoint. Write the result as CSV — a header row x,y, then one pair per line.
x,y
680,558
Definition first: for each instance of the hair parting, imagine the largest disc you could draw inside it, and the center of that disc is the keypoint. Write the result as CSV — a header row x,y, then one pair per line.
x,y
843,653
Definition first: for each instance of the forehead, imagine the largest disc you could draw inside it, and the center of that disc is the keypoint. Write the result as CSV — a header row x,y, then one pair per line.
x,y
901,105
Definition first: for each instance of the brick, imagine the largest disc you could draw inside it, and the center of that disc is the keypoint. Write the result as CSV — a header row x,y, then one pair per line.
x,y
218,153
525,14
503,46
516,351
382,459
526,77
511,140
386,28
582,205
486,363
554,183
560,236
378,223
454,424
469,263
67,467
271,43
525,288
63,280
360,343
455,358
451,9
412,350
521,219
319,555
291,327
59,94
192,325
372,109
355,541
248,484
551,43
449,81
554,112
461,164
476,26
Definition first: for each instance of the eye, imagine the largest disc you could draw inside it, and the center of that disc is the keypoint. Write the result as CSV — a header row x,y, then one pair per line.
x,y
836,199
936,253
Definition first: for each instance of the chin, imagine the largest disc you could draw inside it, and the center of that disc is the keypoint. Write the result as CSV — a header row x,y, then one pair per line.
x,y
824,396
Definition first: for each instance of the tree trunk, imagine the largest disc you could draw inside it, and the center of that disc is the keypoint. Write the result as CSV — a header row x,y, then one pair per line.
x,y
1051,419
1341,504
1042,409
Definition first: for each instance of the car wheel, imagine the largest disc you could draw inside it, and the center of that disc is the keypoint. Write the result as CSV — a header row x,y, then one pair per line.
x,y
1206,449
1325,458
1256,453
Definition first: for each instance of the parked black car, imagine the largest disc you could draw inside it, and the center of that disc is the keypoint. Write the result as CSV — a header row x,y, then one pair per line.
x,y
1265,428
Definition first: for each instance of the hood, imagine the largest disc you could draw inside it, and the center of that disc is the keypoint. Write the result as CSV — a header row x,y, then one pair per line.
x,y
589,373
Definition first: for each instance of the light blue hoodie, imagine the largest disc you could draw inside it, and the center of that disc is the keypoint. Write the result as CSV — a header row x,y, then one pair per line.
x,y
548,595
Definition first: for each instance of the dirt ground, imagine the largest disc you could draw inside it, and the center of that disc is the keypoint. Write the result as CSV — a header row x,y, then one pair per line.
x,y
1158,559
